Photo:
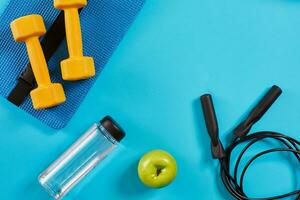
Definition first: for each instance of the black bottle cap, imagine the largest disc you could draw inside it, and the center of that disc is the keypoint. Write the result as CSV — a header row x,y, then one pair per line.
x,y
113,128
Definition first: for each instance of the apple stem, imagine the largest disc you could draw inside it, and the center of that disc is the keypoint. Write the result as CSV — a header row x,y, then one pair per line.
x,y
158,171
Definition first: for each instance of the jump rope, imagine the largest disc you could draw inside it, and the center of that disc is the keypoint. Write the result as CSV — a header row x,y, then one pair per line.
x,y
234,182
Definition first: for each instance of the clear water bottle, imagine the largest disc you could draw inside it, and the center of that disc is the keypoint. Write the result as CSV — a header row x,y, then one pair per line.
x,y
73,165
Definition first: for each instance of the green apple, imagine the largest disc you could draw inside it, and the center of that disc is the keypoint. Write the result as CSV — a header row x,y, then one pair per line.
x,y
157,169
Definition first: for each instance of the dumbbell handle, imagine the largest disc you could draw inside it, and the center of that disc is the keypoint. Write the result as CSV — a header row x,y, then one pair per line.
x,y
37,60
73,32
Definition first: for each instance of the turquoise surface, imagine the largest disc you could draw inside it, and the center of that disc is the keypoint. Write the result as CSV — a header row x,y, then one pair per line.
x,y
175,51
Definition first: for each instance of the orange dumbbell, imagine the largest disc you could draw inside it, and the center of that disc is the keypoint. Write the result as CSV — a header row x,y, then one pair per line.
x,y
77,66
28,29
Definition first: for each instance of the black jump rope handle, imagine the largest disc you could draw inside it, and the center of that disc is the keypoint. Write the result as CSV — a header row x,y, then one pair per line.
x,y
258,111
244,127
212,126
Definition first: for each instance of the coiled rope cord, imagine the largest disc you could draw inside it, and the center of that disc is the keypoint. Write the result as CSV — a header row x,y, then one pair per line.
x,y
233,183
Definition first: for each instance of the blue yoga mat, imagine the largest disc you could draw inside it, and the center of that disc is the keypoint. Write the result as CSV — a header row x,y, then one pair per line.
x,y
104,23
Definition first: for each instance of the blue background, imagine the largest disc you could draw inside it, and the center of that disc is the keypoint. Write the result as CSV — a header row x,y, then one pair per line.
x,y
174,52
